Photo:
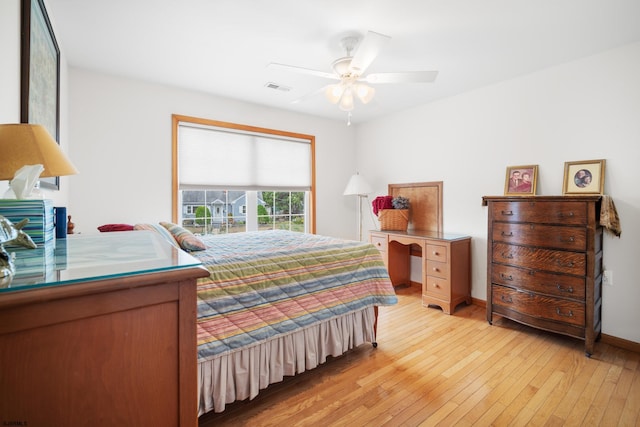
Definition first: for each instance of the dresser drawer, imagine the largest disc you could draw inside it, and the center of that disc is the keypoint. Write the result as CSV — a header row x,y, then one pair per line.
x,y
540,259
380,242
438,287
539,306
539,281
550,236
438,269
437,252
550,212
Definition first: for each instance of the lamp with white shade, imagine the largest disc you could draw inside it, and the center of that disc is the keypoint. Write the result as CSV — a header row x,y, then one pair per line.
x,y
358,186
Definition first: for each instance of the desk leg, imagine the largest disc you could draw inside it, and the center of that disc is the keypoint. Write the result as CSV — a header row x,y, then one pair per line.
x,y
399,263
375,327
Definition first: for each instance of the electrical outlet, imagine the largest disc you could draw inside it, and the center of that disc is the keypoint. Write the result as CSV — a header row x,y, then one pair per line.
x,y
607,278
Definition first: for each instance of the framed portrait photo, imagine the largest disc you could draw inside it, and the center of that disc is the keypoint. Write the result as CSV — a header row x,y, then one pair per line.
x,y
40,74
521,180
584,177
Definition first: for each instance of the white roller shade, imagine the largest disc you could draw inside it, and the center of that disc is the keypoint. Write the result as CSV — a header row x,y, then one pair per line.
x,y
210,157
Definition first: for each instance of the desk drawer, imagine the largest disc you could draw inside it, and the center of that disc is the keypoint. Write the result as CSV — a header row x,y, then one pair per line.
x,y
380,242
437,253
407,241
438,269
438,287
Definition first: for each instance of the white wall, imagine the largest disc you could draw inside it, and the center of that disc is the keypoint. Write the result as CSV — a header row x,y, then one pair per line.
x,y
10,64
121,143
583,110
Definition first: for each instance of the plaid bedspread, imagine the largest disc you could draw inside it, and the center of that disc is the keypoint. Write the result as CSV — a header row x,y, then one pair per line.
x,y
268,283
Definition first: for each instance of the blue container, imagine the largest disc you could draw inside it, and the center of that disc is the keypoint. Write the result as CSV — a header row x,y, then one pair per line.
x,y
61,222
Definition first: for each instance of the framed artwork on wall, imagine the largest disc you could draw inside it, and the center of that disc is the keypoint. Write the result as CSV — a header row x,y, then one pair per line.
x,y
584,177
40,74
521,180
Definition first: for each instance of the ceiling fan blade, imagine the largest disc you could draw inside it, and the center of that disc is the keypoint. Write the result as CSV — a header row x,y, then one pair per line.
x,y
302,70
406,77
310,95
367,51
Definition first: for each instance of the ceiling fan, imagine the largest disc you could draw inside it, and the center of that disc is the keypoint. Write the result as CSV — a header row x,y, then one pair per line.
x,y
350,70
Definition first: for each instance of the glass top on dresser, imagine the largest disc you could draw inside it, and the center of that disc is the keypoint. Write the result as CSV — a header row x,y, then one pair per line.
x,y
82,258
426,234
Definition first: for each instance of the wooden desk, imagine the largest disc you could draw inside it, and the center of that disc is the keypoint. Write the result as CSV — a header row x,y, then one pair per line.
x,y
100,331
446,264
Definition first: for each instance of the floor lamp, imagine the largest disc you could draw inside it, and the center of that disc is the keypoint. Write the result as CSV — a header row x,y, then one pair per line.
x,y
357,186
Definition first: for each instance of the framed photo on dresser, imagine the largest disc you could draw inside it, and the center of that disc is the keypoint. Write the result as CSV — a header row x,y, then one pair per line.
x,y
584,177
521,180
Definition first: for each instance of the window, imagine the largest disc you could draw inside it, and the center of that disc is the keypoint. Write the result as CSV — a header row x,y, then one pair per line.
x,y
233,178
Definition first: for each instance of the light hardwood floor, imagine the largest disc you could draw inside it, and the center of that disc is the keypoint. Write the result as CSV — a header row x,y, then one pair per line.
x,y
433,369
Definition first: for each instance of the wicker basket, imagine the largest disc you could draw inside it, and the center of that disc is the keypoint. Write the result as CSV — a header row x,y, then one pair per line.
x,y
394,219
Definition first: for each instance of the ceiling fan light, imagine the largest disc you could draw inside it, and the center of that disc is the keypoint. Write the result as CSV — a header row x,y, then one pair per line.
x,y
365,93
341,65
346,102
334,92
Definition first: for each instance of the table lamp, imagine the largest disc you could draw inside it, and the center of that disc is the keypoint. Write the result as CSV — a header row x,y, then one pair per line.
x,y
359,187
29,144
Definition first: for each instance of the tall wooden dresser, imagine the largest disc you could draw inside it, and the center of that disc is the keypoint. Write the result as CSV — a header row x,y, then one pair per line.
x,y
544,263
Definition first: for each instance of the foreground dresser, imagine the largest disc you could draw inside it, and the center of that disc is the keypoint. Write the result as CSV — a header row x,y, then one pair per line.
x,y
544,263
100,330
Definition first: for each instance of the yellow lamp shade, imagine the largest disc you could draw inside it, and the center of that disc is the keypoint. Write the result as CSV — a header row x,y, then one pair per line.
x,y
27,144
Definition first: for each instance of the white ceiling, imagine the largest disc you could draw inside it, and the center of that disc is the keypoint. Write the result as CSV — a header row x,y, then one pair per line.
x,y
223,47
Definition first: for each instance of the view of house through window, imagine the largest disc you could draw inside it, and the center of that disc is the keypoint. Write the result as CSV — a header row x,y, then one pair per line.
x,y
225,211
232,178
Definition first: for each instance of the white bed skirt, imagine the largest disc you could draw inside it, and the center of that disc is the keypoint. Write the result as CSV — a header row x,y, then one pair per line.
x,y
242,374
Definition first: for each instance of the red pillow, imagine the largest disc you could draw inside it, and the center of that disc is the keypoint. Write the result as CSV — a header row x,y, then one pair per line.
x,y
115,227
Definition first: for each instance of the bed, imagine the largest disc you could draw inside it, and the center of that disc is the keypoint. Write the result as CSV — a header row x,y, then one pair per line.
x,y
279,303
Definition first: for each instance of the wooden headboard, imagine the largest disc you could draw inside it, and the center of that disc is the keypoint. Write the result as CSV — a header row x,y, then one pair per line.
x,y
425,198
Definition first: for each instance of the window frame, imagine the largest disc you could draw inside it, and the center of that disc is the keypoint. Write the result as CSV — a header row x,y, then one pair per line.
x,y
177,118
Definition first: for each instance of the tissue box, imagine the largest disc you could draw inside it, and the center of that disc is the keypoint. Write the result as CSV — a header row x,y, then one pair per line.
x,y
40,213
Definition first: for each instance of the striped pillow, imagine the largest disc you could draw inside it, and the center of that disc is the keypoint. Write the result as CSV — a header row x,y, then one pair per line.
x,y
186,239
160,230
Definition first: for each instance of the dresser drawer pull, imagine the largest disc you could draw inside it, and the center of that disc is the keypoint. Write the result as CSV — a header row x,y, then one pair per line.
x,y
509,234
506,299
506,212
569,264
560,313
436,269
506,255
505,277
569,240
563,289
562,215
